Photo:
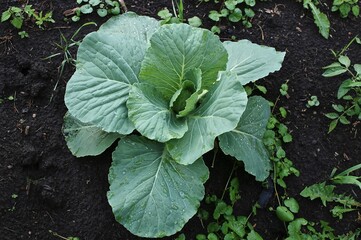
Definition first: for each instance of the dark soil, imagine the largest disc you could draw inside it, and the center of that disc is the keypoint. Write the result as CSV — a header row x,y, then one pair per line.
x,y
55,191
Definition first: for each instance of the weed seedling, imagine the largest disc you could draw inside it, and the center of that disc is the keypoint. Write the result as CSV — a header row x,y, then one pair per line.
x,y
301,228
313,102
102,7
62,237
23,34
284,89
65,46
276,135
319,17
234,11
325,192
18,15
345,177
222,223
41,19
349,90
345,7
178,15
286,211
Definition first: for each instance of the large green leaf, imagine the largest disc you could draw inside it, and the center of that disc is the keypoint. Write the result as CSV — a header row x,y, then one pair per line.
x,y
108,64
131,25
245,143
86,139
251,61
151,194
219,112
151,114
178,48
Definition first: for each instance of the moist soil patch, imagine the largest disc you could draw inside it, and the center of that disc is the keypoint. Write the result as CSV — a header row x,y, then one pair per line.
x,y
56,191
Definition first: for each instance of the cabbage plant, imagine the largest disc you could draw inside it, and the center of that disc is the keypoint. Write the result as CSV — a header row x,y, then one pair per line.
x,y
165,93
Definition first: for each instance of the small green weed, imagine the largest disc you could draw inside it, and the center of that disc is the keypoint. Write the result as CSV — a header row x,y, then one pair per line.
x,y
65,46
325,192
284,89
178,15
349,90
345,7
286,211
301,228
18,15
9,98
23,34
102,7
223,224
276,135
251,87
13,207
319,17
234,11
312,102
40,19
345,177
62,237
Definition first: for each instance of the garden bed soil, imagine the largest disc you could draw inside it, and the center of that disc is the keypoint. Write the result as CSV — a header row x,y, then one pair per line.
x,y
56,191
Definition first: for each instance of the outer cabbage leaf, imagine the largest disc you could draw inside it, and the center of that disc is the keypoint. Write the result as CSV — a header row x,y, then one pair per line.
x,y
151,194
251,61
178,48
151,115
98,90
219,112
86,139
245,143
131,25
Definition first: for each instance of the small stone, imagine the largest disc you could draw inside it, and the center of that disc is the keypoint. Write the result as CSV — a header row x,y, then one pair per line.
x,y
26,131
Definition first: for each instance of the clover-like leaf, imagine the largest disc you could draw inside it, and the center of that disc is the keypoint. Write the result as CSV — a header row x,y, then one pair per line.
x,y
151,194
86,9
